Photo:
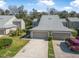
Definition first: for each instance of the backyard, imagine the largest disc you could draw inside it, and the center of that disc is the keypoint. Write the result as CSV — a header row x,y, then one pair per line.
x,y
16,45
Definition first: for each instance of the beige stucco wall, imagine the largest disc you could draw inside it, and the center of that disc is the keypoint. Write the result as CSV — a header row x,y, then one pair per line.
x,y
22,24
8,30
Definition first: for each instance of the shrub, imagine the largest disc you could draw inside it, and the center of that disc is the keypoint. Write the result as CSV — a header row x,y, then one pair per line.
x,y
12,33
5,42
49,38
74,33
23,30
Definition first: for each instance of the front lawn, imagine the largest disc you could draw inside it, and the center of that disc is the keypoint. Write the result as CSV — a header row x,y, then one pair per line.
x,y
16,45
50,49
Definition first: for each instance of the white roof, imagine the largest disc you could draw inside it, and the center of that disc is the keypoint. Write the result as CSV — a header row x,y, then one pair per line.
x,y
35,20
51,23
63,20
73,19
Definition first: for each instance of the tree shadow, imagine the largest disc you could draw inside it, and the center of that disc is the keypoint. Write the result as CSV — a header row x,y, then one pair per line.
x,y
65,48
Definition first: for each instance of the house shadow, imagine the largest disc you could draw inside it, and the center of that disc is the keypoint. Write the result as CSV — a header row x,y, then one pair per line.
x,y
27,36
66,49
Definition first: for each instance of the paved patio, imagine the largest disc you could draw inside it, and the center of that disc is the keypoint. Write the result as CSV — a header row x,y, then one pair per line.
x,y
36,48
62,51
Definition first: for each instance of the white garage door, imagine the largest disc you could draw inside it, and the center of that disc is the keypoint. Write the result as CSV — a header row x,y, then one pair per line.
x,y
40,35
61,35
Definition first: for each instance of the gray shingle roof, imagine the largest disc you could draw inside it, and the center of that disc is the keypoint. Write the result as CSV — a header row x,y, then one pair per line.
x,y
4,19
73,19
63,20
51,23
8,26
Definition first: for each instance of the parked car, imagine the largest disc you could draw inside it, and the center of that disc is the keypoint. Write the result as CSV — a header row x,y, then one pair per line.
x,y
74,48
73,44
77,37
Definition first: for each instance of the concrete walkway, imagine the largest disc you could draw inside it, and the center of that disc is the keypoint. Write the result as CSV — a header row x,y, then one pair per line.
x,y
61,50
36,48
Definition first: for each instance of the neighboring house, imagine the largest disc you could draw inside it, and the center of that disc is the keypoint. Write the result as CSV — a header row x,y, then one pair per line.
x,y
34,22
7,23
64,22
50,26
73,22
20,23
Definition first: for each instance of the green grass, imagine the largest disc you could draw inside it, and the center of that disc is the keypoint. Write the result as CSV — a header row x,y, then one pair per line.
x,y
14,48
50,50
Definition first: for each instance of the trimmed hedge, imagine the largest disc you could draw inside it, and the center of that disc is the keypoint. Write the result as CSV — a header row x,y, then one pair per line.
x,y
49,38
50,48
5,42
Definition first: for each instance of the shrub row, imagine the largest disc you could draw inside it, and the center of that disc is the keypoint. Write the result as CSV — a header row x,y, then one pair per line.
x,y
5,42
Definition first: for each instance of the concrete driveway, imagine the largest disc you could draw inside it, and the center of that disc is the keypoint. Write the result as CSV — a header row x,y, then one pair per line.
x,y
61,50
36,48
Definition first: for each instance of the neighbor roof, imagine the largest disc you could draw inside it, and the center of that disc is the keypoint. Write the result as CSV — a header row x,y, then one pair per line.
x,y
4,20
35,20
8,26
73,19
51,23
63,20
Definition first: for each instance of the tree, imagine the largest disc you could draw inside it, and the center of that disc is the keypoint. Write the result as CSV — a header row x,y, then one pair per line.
x,y
63,14
13,10
72,14
1,12
21,12
7,12
21,9
52,11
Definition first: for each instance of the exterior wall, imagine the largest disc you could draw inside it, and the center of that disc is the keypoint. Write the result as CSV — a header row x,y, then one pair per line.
x,y
2,32
8,30
17,23
22,24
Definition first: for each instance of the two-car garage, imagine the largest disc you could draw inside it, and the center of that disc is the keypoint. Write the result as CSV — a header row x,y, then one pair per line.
x,y
45,35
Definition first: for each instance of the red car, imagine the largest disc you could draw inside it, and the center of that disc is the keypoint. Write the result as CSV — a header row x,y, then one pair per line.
x,y
74,48
73,44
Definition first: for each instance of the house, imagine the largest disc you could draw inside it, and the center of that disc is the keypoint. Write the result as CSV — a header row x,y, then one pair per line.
x,y
34,22
73,22
20,23
64,22
7,23
50,26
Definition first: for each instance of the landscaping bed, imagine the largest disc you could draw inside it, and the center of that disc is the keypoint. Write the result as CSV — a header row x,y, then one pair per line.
x,y
50,49
16,45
